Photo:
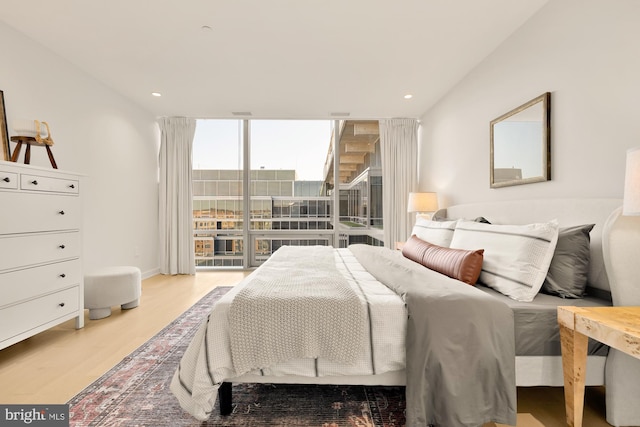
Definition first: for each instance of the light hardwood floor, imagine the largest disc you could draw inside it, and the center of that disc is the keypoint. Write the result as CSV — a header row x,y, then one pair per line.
x,y
55,365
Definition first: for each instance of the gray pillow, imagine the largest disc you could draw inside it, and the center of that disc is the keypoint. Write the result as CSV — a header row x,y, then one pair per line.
x,y
567,275
478,219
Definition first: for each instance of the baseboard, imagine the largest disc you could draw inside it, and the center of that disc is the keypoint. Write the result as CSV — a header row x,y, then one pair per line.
x,y
150,273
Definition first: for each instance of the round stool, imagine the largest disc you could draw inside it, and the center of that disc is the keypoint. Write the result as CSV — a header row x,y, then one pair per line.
x,y
111,286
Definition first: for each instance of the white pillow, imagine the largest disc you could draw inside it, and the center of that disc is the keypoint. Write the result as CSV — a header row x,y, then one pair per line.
x,y
516,257
435,232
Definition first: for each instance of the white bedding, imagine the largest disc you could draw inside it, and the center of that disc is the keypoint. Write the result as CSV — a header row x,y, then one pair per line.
x,y
204,366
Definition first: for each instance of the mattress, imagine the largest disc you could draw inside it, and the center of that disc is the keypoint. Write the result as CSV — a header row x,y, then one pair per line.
x,y
536,323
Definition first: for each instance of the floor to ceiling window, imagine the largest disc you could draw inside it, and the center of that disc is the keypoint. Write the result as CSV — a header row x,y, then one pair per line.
x,y
218,204
283,170
289,204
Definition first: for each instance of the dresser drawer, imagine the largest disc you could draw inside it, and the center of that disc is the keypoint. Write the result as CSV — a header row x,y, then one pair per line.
x,y
20,285
23,250
49,184
28,212
20,318
8,180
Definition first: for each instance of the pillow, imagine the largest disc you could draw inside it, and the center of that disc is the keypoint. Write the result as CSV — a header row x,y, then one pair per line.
x,y
436,232
478,219
482,219
567,276
516,257
414,249
456,263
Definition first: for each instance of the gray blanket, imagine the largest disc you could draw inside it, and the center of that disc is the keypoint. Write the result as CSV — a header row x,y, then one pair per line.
x,y
300,306
460,345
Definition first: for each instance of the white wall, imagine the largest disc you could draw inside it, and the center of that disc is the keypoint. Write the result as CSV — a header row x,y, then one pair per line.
x,y
587,54
97,133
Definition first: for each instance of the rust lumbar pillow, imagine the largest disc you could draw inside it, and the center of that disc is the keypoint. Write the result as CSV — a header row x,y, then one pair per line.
x,y
464,265
414,249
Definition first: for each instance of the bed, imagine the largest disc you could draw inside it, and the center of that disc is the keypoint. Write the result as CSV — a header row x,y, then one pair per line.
x,y
459,331
378,276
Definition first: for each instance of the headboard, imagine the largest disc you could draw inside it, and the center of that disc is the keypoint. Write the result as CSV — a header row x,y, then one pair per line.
x,y
568,212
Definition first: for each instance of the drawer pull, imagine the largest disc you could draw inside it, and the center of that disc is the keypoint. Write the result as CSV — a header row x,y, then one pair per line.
x,y
72,186
61,212
61,304
63,275
7,179
62,246
34,182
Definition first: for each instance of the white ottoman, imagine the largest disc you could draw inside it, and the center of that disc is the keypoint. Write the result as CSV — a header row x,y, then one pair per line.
x,y
111,286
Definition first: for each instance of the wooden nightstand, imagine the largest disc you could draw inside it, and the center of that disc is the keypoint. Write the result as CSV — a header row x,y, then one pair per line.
x,y
618,327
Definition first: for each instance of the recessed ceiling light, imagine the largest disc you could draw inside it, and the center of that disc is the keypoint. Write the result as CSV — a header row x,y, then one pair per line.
x,y
156,94
340,114
408,96
206,28
241,113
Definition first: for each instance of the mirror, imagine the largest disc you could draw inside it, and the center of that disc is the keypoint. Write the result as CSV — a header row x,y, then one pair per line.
x,y
521,144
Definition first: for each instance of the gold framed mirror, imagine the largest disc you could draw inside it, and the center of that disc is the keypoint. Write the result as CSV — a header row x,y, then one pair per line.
x,y
521,144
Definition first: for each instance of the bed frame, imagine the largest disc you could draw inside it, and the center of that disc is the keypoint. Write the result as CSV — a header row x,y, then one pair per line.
x,y
530,370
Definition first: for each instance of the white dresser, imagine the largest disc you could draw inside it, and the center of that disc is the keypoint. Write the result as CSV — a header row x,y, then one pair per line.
x,y
40,250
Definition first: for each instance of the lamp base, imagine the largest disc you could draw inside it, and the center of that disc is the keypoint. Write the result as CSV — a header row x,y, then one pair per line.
x,y
424,215
621,252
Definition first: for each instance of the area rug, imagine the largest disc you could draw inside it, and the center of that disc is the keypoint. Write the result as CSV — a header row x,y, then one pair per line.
x,y
136,392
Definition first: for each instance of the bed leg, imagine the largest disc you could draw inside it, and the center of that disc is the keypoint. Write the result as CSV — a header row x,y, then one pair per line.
x,y
224,396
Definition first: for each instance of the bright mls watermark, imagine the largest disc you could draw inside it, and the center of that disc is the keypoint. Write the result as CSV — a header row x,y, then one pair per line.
x,y
34,415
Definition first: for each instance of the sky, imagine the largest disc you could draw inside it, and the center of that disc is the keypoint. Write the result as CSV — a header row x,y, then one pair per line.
x,y
275,144
518,145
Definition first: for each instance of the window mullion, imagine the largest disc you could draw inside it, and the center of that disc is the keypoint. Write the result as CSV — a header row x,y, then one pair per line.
x,y
246,196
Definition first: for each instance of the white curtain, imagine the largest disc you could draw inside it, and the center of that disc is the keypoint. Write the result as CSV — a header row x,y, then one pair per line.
x,y
399,146
175,198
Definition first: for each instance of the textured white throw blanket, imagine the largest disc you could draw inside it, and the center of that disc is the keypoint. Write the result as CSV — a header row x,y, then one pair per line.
x,y
301,306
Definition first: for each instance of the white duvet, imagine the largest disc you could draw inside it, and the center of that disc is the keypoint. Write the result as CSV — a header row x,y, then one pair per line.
x,y
207,362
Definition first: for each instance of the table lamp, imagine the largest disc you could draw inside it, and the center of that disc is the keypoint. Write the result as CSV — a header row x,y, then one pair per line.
x,y
621,237
422,203
621,252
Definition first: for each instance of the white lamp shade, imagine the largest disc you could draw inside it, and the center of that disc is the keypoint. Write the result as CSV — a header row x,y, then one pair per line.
x,y
631,203
422,202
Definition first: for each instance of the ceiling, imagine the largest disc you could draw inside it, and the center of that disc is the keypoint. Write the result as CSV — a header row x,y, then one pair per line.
x,y
273,58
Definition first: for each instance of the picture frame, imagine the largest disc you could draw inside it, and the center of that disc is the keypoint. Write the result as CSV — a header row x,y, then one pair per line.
x,y
4,130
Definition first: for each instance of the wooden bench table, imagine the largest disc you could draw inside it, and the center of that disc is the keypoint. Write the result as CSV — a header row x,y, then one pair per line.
x,y
617,327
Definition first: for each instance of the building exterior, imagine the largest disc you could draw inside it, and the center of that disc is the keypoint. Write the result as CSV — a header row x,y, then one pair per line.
x,y
278,202
360,185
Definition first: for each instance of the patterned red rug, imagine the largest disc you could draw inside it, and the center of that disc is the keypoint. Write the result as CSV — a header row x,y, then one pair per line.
x,y
136,392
